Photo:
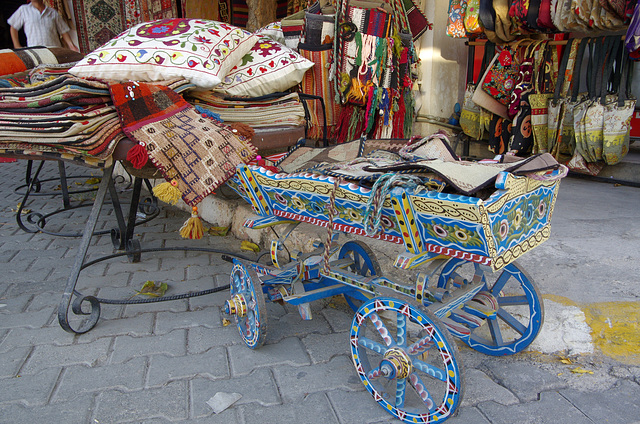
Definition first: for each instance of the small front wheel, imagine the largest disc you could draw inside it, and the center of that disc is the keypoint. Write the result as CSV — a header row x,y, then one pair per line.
x,y
406,360
363,262
247,304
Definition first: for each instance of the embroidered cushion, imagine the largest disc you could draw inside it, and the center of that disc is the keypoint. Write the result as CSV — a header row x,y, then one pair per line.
x,y
199,50
267,68
273,31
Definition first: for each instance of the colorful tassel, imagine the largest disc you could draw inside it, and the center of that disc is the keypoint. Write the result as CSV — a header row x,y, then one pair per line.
x,y
168,192
138,156
193,228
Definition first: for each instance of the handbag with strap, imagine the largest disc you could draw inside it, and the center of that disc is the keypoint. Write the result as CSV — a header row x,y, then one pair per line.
x,y
470,116
455,18
617,117
496,84
539,98
555,106
573,121
472,22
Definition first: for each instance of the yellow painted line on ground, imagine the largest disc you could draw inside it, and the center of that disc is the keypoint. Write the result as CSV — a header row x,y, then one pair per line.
x,y
615,327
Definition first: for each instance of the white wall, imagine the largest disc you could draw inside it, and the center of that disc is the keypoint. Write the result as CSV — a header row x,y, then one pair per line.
x,y
443,67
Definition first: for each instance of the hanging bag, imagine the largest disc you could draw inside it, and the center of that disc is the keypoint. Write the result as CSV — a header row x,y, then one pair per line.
x,y
455,18
521,140
472,22
568,134
539,99
470,116
574,140
496,84
556,106
617,117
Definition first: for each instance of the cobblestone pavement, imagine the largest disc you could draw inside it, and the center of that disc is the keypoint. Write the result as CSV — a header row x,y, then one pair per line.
x,y
162,362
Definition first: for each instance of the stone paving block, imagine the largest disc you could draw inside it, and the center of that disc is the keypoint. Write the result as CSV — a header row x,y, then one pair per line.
x,y
50,356
179,305
357,407
76,411
469,415
138,326
168,402
46,300
314,408
6,255
551,406
27,274
212,364
323,347
79,379
619,404
201,339
30,390
171,344
200,284
198,267
148,263
478,387
25,319
523,379
257,387
215,299
168,321
16,304
29,337
286,352
12,360
174,277
292,325
338,373
339,320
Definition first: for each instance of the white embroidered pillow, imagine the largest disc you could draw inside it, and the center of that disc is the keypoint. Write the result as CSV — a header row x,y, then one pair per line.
x,y
199,50
267,68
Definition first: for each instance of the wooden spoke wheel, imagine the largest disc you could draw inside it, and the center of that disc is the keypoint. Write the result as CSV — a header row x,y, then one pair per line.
x,y
509,305
247,305
406,360
364,264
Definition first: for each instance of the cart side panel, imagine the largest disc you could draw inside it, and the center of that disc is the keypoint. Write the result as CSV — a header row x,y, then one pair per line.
x,y
518,217
450,221
306,197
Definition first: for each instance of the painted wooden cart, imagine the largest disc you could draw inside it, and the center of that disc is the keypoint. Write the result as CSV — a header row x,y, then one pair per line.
x,y
401,341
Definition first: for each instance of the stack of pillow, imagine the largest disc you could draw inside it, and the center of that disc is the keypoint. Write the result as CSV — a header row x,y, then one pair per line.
x,y
211,54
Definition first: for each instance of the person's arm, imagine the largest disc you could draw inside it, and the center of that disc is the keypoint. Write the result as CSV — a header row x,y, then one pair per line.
x,y
15,37
67,39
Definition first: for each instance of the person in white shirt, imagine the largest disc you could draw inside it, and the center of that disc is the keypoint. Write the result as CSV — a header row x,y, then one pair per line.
x,y
43,26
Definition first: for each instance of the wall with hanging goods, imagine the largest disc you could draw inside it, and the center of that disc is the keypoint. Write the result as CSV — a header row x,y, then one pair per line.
x,y
551,77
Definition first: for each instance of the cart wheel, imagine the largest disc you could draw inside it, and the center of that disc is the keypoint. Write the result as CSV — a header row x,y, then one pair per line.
x,y
406,360
247,305
509,304
365,264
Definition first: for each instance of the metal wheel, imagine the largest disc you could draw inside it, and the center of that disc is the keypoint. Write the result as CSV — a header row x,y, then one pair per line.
x,y
364,264
247,305
406,360
509,305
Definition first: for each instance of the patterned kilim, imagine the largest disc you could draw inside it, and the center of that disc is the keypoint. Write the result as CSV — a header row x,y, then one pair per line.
x,y
98,21
224,11
239,13
316,82
151,10
196,152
